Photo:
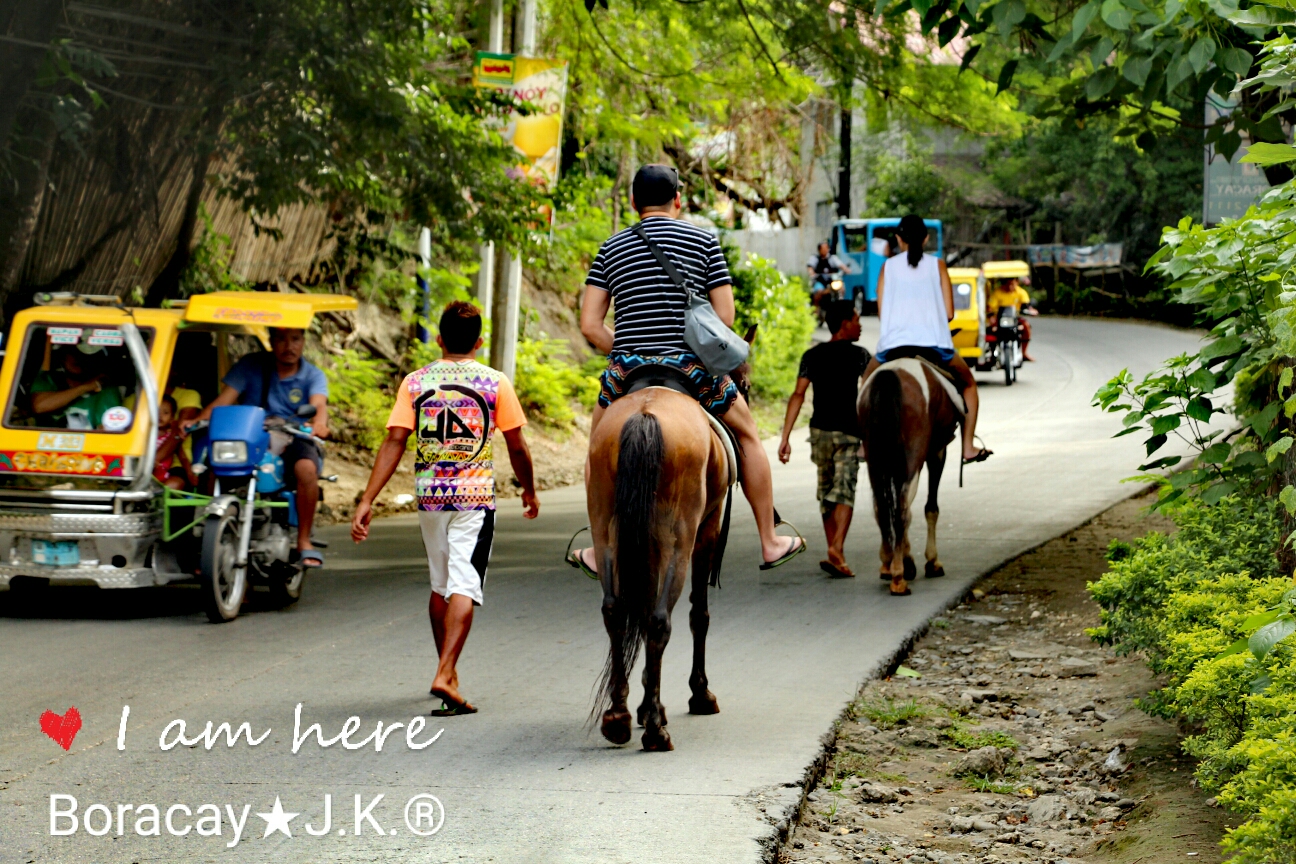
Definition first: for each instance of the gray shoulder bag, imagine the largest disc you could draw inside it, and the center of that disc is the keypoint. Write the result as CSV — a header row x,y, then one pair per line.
x,y
720,349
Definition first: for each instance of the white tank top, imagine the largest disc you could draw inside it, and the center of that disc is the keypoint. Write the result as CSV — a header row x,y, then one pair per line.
x,y
913,305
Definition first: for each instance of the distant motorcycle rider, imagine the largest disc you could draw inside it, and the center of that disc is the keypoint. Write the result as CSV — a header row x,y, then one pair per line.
x,y
823,268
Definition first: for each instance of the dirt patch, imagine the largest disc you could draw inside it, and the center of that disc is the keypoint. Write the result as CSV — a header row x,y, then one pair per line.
x,y
1018,741
558,455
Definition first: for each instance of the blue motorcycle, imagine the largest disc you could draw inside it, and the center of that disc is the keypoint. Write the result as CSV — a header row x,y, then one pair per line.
x,y
249,526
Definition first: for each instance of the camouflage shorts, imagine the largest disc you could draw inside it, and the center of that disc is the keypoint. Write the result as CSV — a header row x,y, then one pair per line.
x,y
837,455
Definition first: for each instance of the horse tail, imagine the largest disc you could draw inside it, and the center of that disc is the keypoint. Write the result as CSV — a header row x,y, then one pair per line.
x,y
888,471
639,468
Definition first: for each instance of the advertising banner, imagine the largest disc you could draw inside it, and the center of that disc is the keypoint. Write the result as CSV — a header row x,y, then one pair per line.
x,y
537,136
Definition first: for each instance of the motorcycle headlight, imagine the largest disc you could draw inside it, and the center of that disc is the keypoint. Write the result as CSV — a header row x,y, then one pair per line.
x,y
229,452
837,284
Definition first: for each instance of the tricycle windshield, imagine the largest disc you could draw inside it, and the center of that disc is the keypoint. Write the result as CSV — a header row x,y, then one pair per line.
x,y
74,376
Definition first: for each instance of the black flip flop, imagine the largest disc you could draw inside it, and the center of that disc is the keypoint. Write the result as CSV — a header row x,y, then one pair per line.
x,y
835,572
791,553
575,560
451,708
982,455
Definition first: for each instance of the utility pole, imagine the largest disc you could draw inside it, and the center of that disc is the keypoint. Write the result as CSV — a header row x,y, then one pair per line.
x,y
844,159
507,302
486,251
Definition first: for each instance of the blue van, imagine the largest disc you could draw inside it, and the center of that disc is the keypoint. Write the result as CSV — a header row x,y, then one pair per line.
x,y
859,242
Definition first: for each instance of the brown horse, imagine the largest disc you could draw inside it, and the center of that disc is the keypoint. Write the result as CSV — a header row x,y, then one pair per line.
x,y
658,477
908,413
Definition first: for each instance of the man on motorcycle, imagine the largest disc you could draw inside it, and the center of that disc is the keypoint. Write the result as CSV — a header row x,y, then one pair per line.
x,y
1008,292
281,381
823,269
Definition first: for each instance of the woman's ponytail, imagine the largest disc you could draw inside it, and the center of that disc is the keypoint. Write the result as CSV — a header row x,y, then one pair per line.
x,y
914,232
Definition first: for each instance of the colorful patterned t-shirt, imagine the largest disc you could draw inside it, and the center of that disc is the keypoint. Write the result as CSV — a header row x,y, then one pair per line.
x,y
453,408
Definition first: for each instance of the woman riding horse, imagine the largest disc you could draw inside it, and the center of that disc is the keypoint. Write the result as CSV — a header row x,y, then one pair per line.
x,y
915,323
907,412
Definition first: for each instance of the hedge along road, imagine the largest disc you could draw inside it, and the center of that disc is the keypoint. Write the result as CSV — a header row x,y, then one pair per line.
x,y
524,780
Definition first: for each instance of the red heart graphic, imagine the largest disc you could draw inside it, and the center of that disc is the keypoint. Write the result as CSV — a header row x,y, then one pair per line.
x,y
63,729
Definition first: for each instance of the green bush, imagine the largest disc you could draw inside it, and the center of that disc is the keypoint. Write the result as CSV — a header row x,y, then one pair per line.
x,y
1182,600
359,397
548,382
779,306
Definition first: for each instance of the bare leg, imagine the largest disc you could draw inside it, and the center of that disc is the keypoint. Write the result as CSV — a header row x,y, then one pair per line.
x,y
587,554
455,619
961,371
307,497
836,523
758,484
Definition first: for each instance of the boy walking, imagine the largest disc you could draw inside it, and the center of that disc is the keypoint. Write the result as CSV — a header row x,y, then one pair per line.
x,y
454,405
834,368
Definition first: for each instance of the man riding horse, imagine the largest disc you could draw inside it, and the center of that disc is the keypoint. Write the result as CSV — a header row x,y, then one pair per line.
x,y
649,331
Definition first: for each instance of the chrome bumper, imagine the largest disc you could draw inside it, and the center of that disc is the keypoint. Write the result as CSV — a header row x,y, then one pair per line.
x,y
116,550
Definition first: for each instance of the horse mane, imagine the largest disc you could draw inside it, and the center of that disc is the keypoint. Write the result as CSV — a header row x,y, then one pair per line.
x,y
888,471
639,467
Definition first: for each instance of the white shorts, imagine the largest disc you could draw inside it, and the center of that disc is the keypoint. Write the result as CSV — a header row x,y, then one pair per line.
x,y
458,544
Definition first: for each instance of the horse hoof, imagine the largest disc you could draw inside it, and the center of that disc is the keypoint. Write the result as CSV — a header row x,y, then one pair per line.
x,y
704,703
910,569
900,588
616,726
933,570
657,741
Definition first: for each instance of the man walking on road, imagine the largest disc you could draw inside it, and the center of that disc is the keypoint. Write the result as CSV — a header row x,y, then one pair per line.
x,y
834,368
455,404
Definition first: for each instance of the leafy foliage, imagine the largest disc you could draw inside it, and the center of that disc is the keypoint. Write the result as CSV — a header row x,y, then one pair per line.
x,y
1185,600
778,306
548,382
1237,275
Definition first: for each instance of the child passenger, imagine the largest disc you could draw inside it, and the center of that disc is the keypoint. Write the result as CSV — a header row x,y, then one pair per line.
x,y
172,467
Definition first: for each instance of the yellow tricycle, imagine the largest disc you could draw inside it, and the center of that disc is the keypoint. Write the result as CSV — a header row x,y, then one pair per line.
x,y
83,500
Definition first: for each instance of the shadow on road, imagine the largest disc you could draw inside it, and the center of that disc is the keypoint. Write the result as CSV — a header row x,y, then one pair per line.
x,y
40,601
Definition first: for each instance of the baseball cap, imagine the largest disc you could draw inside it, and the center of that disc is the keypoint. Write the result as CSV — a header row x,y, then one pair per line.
x,y
654,185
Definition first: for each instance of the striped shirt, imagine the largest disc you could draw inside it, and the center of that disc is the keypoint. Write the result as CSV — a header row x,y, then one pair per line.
x,y
648,308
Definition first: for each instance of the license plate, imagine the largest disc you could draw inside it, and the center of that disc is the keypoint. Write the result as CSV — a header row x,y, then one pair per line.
x,y
56,553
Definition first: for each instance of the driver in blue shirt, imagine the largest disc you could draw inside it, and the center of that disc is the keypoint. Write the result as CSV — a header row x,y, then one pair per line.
x,y
281,381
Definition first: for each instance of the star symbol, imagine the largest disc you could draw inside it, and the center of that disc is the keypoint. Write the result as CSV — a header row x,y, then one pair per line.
x,y
277,820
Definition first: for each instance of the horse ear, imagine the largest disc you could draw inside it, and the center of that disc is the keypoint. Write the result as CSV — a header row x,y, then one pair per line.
x,y
750,338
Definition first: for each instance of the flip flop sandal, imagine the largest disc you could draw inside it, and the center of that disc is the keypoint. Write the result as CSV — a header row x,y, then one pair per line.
x,y
575,560
982,455
835,572
451,708
303,557
791,553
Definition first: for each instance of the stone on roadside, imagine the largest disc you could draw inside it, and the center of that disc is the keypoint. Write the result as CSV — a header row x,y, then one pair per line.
x,y
1113,764
1074,667
1109,814
876,793
919,738
1046,808
988,620
984,762
978,696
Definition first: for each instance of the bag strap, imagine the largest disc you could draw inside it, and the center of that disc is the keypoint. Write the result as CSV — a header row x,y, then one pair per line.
x,y
671,271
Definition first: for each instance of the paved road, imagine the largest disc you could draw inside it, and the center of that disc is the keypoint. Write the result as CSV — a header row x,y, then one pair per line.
x,y
523,781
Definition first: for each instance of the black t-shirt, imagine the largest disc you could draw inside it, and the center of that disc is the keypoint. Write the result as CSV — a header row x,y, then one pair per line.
x,y
834,368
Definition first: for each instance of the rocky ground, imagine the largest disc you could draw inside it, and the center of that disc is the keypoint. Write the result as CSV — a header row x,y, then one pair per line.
x,y
1007,735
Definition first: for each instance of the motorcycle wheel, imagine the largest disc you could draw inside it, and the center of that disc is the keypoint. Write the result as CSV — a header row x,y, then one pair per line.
x,y
286,587
1006,361
223,586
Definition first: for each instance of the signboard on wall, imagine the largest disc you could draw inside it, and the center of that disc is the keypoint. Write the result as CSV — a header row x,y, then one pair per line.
x,y
1229,187
536,136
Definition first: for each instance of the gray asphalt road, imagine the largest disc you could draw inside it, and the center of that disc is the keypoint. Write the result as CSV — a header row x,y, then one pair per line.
x,y
522,781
